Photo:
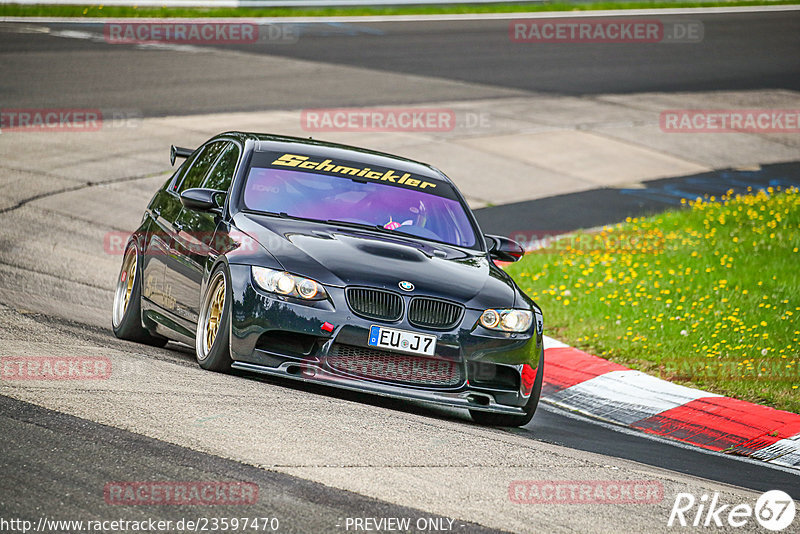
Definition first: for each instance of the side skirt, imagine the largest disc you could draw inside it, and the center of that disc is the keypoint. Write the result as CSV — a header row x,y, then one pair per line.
x,y
166,324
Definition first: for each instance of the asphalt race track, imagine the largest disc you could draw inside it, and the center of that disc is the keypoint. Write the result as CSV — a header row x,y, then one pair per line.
x,y
752,51
318,456
76,453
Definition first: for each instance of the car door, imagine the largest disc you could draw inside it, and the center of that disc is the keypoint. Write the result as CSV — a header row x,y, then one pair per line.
x,y
194,239
162,211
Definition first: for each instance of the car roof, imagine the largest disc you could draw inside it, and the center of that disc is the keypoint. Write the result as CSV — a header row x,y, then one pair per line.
x,y
313,147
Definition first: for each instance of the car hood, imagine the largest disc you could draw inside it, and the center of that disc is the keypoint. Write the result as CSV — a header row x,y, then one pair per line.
x,y
343,256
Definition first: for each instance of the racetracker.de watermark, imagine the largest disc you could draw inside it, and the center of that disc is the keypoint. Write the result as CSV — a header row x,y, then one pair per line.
x,y
206,493
145,524
609,242
600,30
585,491
383,120
730,120
66,119
55,368
115,243
199,33
756,370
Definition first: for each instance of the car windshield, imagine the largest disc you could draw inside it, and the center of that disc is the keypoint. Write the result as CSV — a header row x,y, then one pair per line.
x,y
322,197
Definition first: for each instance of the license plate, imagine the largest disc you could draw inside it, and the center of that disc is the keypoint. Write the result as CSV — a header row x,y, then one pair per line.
x,y
389,338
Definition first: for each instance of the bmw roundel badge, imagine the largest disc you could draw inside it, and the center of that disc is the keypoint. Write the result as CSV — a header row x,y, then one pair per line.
x,y
406,286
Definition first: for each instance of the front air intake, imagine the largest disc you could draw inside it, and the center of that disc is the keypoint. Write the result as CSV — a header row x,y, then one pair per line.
x,y
385,366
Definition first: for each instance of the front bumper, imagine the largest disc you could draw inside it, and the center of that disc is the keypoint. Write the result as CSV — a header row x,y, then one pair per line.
x,y
284,337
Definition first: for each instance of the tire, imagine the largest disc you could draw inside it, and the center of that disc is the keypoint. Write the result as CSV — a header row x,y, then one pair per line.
x,y
126,315
501,419
212,341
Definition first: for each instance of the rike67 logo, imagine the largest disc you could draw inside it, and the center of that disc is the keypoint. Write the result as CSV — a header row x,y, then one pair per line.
x,y
774,510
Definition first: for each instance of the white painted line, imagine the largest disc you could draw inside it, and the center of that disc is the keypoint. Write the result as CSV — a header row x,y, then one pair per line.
x,y
784,452
432,18
550,343
74,34
625,397
99,38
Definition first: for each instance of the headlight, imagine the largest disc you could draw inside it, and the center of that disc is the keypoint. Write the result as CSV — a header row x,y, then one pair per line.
x,y
490,319
507,320
287,284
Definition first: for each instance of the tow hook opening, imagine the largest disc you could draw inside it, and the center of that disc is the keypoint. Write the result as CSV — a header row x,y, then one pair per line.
x,y
479,399
301,370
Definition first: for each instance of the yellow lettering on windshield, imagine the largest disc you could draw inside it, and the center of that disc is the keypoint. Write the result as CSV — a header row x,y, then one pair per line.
x,y
295,160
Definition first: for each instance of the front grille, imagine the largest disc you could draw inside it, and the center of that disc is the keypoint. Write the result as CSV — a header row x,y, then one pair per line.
x,y
375,304
393,367
434,313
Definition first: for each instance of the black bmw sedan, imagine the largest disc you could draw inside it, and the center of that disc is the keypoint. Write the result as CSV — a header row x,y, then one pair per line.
x,y
332,264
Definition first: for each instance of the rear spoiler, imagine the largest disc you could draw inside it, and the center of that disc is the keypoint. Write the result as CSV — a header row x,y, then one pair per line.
x,y
178,152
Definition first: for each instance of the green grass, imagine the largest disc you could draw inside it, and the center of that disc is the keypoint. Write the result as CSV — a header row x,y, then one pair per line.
x,y
98,10
707,296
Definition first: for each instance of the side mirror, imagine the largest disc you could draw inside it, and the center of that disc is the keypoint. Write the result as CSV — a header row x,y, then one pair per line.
x,y
201,199
178,152
504,249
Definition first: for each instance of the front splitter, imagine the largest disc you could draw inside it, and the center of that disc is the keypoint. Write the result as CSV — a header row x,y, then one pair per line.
x,y
306,372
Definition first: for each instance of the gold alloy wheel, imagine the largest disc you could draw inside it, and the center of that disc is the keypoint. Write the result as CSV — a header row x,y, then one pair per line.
x,y
213,315
122,296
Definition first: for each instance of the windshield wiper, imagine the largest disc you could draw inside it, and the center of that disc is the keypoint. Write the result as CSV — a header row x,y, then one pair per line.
x,y
359,225
351,224
283,215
